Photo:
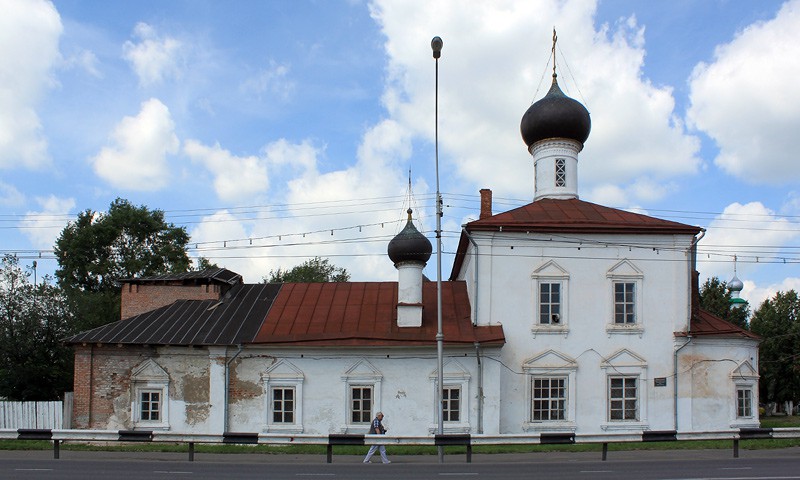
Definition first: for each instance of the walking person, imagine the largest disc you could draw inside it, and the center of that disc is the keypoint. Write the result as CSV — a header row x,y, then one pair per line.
x,y
377,429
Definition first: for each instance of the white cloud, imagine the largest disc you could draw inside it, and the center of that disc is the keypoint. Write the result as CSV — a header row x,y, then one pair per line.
x,y
44,226
10,196
332,214
272,80
29,34
86,60
747,100
235,178
752,232
137,156
491,48
153,58
756,295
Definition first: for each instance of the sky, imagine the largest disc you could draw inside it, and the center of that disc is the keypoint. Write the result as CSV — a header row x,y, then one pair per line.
x,y
276,131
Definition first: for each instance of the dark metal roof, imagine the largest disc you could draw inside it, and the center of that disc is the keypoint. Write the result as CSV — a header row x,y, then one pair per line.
x,y
209,275
233,320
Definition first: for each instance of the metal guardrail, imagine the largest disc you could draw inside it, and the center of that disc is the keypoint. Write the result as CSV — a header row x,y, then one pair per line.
x,y
466,440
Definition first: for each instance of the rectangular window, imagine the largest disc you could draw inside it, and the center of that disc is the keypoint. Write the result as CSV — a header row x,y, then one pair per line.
x,y
744,403
550,303
451,404
283,405
150,405
624,303
623,403
361,404
548,399
561,173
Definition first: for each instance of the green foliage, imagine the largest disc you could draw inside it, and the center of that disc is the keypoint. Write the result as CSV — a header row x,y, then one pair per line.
x,y
316,270
97,250
777,321
34,363
716,298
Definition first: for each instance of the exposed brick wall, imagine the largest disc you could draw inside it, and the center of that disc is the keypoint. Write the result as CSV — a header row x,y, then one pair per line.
x,y
102,376
137,298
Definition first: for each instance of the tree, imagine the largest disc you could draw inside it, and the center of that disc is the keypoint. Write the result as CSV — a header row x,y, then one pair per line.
x,y
777,321
97,250
316,270
34,320
716,298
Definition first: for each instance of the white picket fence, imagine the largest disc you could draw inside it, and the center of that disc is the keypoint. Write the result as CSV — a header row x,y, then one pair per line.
x,y
49,415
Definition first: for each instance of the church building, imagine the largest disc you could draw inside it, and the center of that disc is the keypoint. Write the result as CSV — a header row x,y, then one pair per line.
x,y
560,316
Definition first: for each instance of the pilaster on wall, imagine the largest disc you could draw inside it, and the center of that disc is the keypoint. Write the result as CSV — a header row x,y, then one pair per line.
x,y
82,387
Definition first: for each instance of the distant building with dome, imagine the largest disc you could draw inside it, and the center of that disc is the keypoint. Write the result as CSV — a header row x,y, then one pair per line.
x,y
559,317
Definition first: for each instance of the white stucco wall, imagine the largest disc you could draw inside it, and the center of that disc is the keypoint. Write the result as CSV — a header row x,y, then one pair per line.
x,y
403,380
510,267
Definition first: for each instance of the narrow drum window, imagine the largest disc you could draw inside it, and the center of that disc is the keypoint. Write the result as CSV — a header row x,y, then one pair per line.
x,y
561,172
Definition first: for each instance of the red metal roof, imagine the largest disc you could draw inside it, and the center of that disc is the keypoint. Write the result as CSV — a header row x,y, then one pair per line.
x,y
547,215
569,216
365,314
707,324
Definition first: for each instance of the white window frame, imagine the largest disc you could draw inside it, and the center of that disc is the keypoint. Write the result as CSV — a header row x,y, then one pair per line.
x,y
744,377
746,389
624,399
283,374
447,403
549,399
551,364
361,374
454,376
550,273
149,377
625,272
627,364
366,415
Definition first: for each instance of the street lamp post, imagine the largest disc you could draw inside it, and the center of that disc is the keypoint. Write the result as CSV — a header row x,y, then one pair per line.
x,y
436,45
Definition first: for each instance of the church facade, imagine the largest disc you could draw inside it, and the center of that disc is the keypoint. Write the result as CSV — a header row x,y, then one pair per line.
x,y
561,316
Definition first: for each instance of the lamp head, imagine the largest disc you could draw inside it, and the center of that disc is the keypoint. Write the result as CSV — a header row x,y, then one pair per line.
x,y
436,45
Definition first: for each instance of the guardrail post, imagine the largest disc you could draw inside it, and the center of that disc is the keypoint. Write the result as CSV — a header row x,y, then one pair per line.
x,y
329,450
469,453
605,451
191,451
56,449
735,448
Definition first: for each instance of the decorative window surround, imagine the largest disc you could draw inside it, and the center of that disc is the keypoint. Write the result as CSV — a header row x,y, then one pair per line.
x,y
551,364
283,375
626,364
550,273
625,272
150,390
361,374
454,375
744,378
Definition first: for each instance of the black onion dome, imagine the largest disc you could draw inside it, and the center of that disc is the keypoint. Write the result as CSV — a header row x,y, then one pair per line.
x,y
410,245
555,116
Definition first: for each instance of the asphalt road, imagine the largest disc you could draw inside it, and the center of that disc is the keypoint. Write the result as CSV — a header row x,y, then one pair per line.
x,y
646,465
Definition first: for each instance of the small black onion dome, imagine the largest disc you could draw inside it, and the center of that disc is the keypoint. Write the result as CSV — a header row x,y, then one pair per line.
x,y
555,116
410,245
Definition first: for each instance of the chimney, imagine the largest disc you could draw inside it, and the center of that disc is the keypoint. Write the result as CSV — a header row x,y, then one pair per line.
x,y
486,203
